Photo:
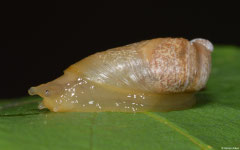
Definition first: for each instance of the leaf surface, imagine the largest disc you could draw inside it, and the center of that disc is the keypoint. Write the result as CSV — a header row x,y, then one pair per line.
x,y
213,123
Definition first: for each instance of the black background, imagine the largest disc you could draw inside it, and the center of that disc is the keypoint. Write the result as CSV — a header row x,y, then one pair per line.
x,y
40,39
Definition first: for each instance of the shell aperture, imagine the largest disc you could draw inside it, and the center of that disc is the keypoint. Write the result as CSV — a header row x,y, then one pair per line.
x,y
161,74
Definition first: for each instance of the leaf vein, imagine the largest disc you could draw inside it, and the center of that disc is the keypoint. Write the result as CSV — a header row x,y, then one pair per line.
x,y
179,130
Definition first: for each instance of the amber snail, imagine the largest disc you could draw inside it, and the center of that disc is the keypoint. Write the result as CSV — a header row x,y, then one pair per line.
x,y
161,74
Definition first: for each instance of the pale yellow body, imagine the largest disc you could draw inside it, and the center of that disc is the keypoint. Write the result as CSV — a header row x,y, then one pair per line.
x,y
154,75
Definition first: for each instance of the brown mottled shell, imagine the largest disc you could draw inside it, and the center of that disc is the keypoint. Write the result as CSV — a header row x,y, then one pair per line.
x,y
177,64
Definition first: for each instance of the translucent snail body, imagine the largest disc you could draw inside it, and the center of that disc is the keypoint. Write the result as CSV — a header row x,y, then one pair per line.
x,y
154,75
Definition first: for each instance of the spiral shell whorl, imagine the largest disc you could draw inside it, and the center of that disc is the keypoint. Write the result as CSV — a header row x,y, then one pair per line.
x,y
177,65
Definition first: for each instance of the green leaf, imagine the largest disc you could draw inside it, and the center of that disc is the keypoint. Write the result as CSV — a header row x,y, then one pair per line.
x,y
213,123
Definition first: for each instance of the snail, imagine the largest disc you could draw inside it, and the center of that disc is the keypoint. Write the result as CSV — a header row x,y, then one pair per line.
x,y
161,74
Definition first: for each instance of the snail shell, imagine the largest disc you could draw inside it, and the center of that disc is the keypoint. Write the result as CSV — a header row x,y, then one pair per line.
x,y
154,75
